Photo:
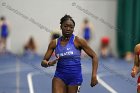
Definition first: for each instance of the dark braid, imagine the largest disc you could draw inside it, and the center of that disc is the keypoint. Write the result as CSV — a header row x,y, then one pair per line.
x,y
65,18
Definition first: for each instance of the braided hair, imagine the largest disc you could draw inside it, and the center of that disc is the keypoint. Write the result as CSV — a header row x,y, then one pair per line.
x,y
65,18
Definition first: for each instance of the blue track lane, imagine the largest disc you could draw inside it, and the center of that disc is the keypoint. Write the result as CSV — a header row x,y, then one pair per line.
x,y
15,69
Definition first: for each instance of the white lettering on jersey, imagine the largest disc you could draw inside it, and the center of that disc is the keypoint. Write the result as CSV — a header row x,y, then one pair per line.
x,y
65,53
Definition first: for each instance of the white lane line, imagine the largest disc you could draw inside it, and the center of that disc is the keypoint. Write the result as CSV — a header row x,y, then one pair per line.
x,y
106,85
30,83
17,76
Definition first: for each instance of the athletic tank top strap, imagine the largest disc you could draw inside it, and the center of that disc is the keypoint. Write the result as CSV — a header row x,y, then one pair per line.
x,y
58,41
71,40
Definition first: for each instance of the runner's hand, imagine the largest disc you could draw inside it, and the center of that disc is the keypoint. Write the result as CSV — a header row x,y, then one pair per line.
x,y
94,81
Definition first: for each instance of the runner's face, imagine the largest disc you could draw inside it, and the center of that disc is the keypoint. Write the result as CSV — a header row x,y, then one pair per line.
x,y
67,28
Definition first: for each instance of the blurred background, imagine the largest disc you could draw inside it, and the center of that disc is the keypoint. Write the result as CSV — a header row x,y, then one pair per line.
x,y
111,28
32,18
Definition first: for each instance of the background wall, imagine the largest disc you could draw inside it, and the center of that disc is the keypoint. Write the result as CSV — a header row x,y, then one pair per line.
x,y
38,18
